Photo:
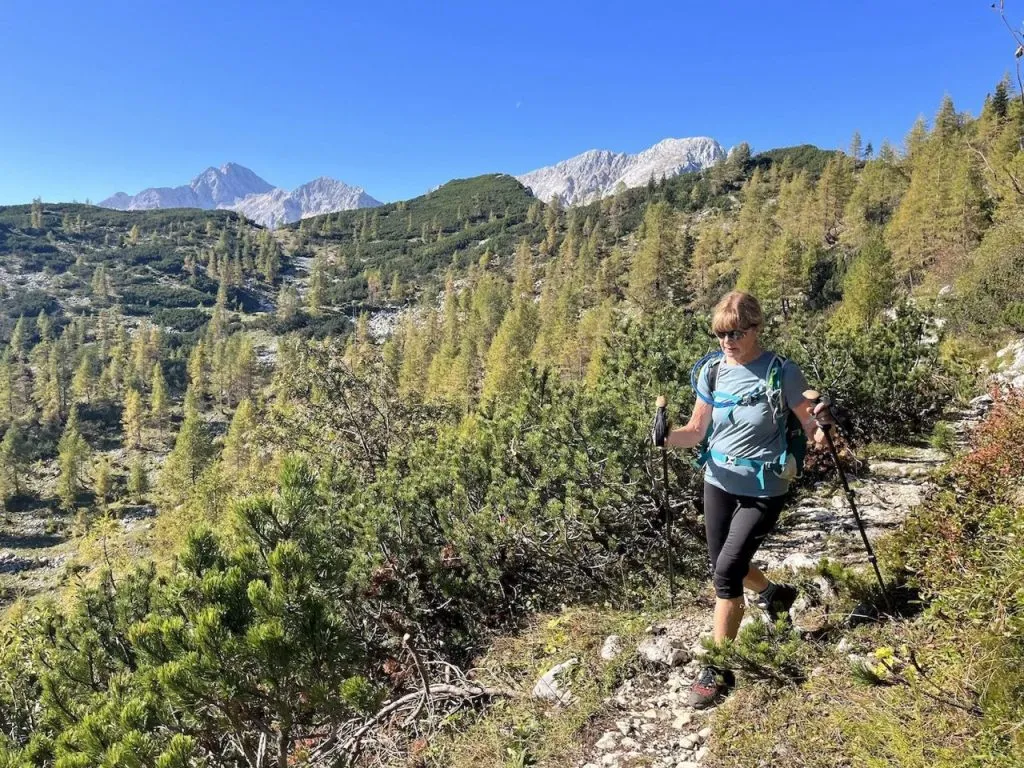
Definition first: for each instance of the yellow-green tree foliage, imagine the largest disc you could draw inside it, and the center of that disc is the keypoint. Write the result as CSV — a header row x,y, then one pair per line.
x,y
138,480
132,418
103,480
192,452
657,275
878,191
941,217
239,461
711,270
867,287
73,458
159,399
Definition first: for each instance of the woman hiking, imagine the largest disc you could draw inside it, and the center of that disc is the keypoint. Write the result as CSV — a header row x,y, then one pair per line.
x,y
745,397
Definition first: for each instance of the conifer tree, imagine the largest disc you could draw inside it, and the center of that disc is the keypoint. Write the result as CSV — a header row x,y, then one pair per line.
x,y
19,339
7,388
55,398
197,369
192,452
875,197
44,326
159,400
138,480
509,354
103,480
239,454
941,216
656,276
83,385
856,147
1000,102
11,463
834,189
755,228
397,291
711,267
132,418
316,296
419,344
287,303
594,329
99,285
867,287
72,457
36,214
441,374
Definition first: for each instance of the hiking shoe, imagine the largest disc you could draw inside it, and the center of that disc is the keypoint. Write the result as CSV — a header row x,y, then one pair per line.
x,y
711,684
781,601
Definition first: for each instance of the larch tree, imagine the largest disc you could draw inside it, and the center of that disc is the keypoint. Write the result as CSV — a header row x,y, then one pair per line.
x,y
72,458
103,480
192,452
132,418
867,287
12,463
657,275
83,384
138,480
159,400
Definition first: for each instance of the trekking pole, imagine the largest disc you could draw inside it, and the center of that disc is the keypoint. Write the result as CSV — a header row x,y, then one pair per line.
x,y
660,433
826,428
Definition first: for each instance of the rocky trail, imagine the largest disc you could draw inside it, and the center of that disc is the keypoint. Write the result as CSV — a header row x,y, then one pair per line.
x,y
647,722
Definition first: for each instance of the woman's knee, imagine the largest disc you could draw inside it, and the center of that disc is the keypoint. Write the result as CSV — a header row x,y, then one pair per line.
x,y
728,580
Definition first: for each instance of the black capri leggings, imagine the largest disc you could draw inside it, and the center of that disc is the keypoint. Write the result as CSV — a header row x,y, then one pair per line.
x,y
735,527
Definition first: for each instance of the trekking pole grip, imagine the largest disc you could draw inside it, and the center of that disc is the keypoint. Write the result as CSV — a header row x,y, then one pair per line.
x,y
814,396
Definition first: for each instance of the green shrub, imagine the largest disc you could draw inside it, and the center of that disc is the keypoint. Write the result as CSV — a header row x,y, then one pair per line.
x,y
889,377
1013,315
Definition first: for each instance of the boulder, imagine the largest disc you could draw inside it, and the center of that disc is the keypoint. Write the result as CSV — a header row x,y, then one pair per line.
x,y
551,688
611,648
663,650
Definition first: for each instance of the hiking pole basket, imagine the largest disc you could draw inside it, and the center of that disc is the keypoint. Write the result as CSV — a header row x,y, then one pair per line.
x,y
826,428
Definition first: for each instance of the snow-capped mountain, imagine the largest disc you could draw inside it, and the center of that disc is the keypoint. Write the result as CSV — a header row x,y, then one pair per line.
x,y
236,188
594,174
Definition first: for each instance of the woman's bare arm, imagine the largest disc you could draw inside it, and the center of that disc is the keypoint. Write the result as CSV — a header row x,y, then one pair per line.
x,y
695,429
810,415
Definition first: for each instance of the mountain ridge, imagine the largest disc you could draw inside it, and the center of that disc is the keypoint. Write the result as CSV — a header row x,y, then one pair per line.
x,y
593,174
237,188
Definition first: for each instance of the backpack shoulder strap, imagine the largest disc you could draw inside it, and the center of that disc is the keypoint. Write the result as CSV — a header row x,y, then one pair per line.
x,y
713,375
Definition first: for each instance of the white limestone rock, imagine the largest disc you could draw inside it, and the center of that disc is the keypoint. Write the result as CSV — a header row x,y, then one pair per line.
x,y
611,647
597,172
550,687
235,187
663,649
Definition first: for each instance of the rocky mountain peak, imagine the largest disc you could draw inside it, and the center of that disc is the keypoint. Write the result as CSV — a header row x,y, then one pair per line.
x,y
237,188
597,172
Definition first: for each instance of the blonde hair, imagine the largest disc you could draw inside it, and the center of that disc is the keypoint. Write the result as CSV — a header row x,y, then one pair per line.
x,y
736,310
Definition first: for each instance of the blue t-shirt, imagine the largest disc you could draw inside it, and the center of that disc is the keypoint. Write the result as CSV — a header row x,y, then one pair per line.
x,y
750,431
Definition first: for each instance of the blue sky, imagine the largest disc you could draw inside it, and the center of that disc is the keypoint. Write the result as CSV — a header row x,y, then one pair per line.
x,y
397,97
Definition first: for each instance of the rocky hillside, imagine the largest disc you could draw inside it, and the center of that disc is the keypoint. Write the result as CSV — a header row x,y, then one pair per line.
x,y
643,719
599,172
235,187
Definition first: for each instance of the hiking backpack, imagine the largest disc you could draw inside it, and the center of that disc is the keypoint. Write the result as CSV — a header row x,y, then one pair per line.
x,y
789,462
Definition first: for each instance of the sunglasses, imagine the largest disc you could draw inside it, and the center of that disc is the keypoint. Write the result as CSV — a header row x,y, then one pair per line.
x,y
733,335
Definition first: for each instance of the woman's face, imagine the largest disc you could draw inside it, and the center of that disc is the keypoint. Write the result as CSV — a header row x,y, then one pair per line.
x,y
739,348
